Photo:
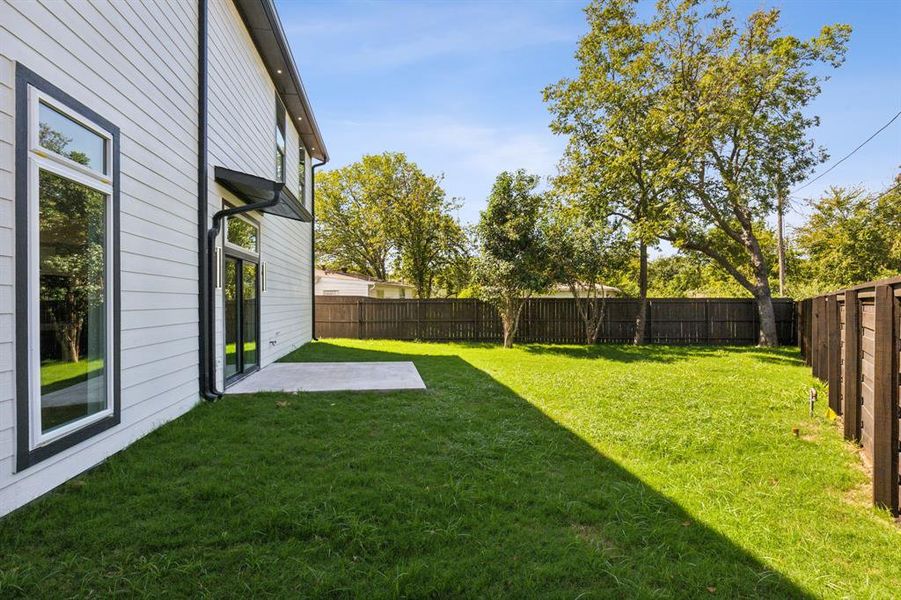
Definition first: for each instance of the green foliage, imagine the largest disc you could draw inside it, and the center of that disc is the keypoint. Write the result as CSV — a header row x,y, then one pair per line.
x,y
584,251
538,472
692,126
740,94
512,263
384,212
849,238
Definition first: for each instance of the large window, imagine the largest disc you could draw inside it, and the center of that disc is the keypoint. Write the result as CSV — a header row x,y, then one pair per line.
x,y
67,267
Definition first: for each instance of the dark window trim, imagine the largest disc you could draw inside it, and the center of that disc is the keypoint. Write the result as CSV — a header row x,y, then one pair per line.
x,y
25,456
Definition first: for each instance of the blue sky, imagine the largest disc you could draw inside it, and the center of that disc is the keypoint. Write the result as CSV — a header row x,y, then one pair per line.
x,y
457,85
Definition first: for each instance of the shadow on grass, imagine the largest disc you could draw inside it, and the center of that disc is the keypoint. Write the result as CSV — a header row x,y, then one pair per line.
x,y
463,490
663,353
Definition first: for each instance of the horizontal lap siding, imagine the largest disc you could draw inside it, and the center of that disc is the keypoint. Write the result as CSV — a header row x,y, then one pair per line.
x,y
7,276
242,137
135,64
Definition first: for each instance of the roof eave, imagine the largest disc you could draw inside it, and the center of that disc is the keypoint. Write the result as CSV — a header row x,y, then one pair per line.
x,y
261,19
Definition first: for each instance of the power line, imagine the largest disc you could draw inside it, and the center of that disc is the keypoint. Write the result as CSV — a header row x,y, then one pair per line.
x,y
847,156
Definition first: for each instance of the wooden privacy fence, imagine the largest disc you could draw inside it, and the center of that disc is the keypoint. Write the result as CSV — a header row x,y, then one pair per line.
x,y
851,340
549,320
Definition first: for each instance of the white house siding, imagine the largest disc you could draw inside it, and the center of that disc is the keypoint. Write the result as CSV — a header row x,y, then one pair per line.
x,y
342,286
242,121
136,65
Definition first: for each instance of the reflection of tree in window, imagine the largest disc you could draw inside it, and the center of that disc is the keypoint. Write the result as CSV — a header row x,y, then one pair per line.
x,y
72,232
72,235
243,234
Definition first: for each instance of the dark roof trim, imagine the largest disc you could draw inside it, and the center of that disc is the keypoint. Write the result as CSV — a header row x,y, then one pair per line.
x,y
253,190
265,28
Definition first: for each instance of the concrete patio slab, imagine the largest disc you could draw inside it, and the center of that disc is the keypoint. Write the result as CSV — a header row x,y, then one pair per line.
x,y
331,377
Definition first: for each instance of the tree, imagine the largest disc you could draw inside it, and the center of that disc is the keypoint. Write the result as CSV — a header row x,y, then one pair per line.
x,y
585,250
428,240
72,224
353,213
850,238
741,95
622,150
385,212
511,265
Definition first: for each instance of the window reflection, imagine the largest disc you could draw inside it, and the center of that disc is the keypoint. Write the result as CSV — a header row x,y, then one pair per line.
x,y
241,233
72,300
61,134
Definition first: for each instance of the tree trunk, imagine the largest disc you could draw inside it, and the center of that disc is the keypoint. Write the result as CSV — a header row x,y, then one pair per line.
x,y
594,322
510,320
769,336
764,296
642,294
781,243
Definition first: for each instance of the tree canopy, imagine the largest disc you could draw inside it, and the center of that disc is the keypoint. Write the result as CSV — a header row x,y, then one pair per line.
x,y
511,264
383,215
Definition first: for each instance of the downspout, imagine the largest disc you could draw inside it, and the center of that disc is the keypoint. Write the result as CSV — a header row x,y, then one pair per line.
x,y
212,391
313,247
202,199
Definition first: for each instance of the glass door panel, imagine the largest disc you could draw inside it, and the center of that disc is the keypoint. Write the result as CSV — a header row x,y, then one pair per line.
x,y
241,295
249,315
231,308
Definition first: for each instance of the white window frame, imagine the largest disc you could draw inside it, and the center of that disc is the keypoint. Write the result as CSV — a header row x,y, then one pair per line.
x,y
40,158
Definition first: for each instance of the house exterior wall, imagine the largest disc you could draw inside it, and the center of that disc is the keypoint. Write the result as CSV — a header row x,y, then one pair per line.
x,y
136,65
341,286
242,122
137,68
387,290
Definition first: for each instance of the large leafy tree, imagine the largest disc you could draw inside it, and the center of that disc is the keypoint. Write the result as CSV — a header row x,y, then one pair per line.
x,y
511,265
585,250
429,242
385,213
353,212
741,94
622,151
850,237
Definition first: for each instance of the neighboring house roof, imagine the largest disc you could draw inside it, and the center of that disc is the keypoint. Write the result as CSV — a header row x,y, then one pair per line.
x,y
563,287
266,30
359,277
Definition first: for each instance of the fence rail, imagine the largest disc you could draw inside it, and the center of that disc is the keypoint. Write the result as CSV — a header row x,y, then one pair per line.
x,y
549,320
852,339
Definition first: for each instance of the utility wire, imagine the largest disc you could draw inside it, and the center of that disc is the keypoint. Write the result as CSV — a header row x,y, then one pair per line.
x,y
847,156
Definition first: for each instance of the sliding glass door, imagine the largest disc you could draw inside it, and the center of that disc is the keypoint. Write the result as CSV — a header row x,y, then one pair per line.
x,y
241,312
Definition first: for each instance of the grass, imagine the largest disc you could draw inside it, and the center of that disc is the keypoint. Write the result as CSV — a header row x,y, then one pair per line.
x,y
542,471
58,374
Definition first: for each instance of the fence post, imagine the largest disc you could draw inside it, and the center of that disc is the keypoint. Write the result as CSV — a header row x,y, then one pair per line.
x,y
833,353
707,321
359,318
885,412
821,349
851,374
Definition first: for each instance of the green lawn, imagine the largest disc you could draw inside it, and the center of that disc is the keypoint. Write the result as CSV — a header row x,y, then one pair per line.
x,y
542,471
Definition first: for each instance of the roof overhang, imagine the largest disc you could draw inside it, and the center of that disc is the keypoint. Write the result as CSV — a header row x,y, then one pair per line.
x,y
265,28
252,190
